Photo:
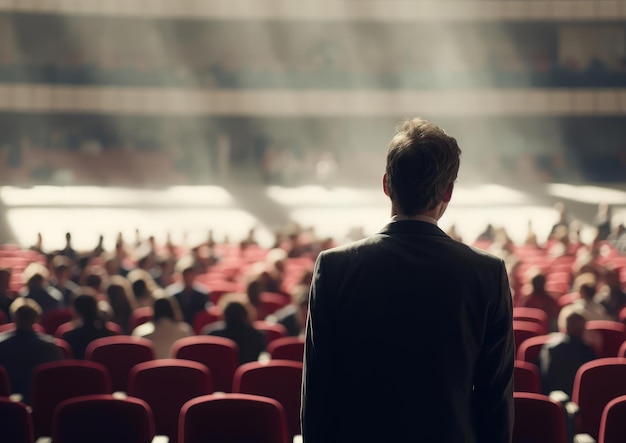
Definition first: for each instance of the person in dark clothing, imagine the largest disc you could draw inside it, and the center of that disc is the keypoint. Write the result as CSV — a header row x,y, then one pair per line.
x,y
38,289
61,280
237,327
23,349
191,296
560,358
90,328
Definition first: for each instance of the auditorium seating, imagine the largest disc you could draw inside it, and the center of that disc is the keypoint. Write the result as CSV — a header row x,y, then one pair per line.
x,y
139,316
532,315
613,421
16,423
538,419
232,418
119,354
596,384
612,335
272,331
220,355
58,381
103,419
523,330
165,385
526,377
277,379
530,348
287,348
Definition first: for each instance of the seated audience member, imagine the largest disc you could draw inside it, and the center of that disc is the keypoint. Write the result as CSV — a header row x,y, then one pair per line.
x,y
191,296
142,290
89,328
293,316
121,301
23,349
164,329
610,295
237,327
6,294
37,288
539,298
62,279
561,357
586,305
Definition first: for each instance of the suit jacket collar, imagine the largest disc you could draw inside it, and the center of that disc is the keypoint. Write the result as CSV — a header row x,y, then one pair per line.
x,y
413,227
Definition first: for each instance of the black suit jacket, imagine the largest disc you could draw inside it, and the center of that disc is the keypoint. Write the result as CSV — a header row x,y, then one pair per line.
x,y
409,338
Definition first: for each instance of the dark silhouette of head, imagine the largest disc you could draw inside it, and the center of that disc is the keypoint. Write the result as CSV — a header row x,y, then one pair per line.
x,y
5,279
575,325
163,309
538,282
235,315
422,165
25,312
86,306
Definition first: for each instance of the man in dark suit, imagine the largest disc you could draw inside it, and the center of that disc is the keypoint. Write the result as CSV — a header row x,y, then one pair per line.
x,y
24,349
409,336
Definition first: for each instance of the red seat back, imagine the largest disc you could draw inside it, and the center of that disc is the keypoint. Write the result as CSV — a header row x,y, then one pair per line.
x,y
272,331
526,377
119,354
277,379
523,330
103,418
166,385
140,316
54,318
538,419
612,335
612,429
530,348
231,418
287,348
219,354
596,384
16,424
57,381
532,315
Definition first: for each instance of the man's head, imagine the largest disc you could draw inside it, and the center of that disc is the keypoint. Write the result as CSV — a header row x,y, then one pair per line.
x,y
62,267
422,165
235,314
575,325
86,306
163,308
24,312
586,285
5,279
538,281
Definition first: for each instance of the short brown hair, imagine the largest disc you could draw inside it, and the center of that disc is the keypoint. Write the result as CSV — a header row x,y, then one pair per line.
x,y
422,161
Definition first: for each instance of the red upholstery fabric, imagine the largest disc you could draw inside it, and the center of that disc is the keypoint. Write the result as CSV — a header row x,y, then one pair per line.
x,y
54,318
220,355
119,354
532,315
140,316
58,381
523,330
526,377
277,379
103,418
613,334
287,348
16,424
166,385
530,348
64,347
232,418
68,326
597,383
538,419
613,421
272,331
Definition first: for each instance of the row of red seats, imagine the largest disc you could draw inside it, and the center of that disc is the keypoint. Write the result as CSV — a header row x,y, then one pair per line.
x,y
165,385
107,418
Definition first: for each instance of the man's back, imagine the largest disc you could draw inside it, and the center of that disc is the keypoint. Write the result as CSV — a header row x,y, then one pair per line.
x,y
409,339
20,352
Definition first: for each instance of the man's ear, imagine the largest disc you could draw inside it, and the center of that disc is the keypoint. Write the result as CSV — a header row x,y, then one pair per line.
x,y
448,195
385,188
